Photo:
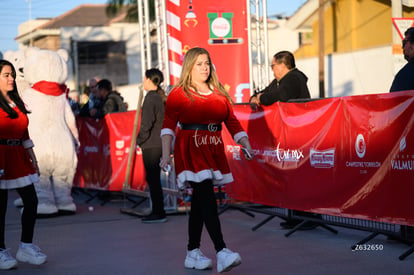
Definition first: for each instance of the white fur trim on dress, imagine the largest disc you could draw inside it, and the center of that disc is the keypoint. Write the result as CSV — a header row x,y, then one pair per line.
x,y
28,143
19,182
167,131
217,177
239,135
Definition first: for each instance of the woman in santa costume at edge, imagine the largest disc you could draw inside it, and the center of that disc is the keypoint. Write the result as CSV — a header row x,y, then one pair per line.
x,y
200,104
18,169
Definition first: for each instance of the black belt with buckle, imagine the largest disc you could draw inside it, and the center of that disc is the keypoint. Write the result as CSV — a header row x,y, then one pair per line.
x,y
212,127
11,142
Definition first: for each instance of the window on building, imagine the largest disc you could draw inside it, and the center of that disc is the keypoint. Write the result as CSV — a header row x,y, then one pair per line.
x,y
103,52
305,38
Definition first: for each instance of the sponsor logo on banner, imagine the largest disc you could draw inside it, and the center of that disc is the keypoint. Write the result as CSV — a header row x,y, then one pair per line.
x,y
322,159
119,144
360,150
119,148
404,160
403,144
272,156
221,29
360,146
288,155
234,150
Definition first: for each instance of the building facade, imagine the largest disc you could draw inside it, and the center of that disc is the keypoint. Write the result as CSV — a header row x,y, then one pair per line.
x,y
361,56
99,45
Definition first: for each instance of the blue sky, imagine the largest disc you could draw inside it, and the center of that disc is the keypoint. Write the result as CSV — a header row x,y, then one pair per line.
x,y
15,12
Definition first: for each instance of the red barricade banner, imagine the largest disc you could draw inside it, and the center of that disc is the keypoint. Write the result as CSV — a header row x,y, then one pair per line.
x,y
104,151
350,156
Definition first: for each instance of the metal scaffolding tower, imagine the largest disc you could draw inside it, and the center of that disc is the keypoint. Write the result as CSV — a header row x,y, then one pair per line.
x,y
258,44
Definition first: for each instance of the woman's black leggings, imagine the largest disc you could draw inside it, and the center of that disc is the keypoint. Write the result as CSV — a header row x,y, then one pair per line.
x,y
28,220
151,158
204,211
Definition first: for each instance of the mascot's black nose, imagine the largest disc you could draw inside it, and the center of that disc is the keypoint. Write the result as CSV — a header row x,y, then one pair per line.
x,y
21,70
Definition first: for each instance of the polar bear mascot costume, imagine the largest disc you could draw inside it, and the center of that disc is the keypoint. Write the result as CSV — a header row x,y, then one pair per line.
x,y
52,127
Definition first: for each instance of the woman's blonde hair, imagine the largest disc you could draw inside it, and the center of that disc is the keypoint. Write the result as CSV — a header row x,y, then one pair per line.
x,y
185,82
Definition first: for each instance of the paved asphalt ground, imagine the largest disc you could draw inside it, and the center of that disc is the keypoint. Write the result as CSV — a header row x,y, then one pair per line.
x,y
106,241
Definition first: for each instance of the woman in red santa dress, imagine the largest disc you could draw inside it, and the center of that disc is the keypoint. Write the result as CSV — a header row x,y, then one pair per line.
x,y
199,103
18,169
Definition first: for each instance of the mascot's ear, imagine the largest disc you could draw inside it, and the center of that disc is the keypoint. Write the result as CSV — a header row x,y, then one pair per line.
x,y
8,55
64,54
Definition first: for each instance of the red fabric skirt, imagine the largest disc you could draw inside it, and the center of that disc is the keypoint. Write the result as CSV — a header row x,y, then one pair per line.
x,y
200,155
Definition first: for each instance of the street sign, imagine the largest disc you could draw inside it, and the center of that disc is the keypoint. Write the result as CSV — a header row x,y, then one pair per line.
x,y
402,24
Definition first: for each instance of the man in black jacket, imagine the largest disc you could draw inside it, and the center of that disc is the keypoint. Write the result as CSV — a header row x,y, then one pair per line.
x,y
289,82
404,80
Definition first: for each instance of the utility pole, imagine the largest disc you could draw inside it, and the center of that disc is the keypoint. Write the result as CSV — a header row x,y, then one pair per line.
x,y
321,49
397,55
396,12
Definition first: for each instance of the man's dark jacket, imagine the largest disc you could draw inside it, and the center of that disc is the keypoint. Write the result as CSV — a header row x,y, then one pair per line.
x,y
404,79
292,86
